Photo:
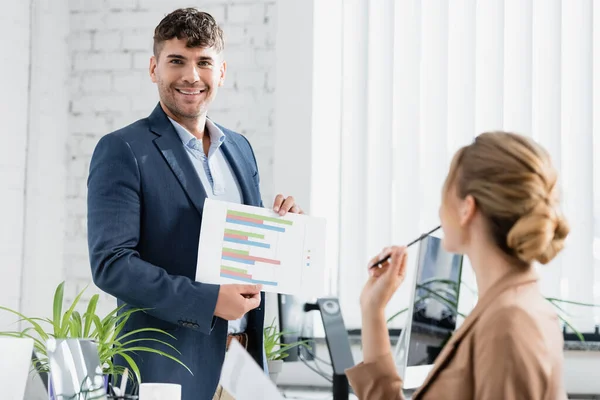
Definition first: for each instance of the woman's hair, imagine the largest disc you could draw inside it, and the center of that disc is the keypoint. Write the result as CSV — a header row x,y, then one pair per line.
x,y
514,186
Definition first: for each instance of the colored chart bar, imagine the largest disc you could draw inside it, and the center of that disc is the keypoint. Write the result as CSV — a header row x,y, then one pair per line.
x,y
243,258
247,219
242,233
259,217
236,259
247,242
254,225
236,274
233,269
243,252
232,236
249,280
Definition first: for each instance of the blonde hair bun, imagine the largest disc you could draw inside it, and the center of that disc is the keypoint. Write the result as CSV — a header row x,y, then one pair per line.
x,y
539,235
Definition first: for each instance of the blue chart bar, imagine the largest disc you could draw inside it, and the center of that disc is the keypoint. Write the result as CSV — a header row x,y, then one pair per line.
x,y
252,224
239,278
248,242
240,260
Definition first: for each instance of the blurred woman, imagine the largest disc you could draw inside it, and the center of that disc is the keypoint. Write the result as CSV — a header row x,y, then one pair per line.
x,y
499,208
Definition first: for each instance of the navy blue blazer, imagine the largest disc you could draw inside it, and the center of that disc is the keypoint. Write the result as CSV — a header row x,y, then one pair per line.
x,y
145,205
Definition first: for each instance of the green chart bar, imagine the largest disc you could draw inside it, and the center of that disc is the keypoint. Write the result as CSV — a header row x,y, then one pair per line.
x,y
242,233
242,252
232,269
260,217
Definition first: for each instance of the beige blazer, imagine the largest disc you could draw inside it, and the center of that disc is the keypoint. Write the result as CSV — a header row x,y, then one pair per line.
x,y
509,347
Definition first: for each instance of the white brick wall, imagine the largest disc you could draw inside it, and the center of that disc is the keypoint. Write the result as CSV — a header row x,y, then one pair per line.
x,y
110,45
14,24
46,167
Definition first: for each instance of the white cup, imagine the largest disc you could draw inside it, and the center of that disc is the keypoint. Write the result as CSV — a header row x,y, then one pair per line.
x,y
160,391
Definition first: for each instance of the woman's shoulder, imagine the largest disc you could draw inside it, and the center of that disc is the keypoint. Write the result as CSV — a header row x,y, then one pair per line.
x,y
521,318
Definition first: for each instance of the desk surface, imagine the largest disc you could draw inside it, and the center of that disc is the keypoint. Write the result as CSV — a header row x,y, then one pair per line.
x,y
316,394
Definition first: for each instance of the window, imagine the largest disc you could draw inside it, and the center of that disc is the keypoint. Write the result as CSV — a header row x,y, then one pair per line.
x,y
420,79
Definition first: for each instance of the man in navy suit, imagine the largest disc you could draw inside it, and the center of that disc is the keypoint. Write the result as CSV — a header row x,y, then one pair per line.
x,y
146,190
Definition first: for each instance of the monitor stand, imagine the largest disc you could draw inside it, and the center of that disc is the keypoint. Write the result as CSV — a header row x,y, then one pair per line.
x,y
338,343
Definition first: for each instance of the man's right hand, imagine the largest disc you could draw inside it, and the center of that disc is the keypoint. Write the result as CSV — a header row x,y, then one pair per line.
x,y
235,301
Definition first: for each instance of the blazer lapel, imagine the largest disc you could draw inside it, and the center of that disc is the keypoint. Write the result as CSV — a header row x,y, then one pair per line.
x,y
509,280
169,144
243,174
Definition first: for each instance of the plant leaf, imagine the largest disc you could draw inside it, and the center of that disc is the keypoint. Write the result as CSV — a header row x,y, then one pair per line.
x,y
579,335
390,319
65,326
39,330
118,329
146,330
133,365
150,340
99,328
552,299
39,346
559,308
91,310
46,320
151,350
57,309
76,325
453,286
113,313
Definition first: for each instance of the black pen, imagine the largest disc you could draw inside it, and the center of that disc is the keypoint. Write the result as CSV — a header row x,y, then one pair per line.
x,y
380,263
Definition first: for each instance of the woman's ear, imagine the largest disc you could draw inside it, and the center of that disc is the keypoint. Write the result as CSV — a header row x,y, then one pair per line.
x,y
467,209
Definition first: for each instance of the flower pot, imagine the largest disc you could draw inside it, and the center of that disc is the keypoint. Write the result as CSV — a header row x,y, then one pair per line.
x,y
51,395
275,367
74,368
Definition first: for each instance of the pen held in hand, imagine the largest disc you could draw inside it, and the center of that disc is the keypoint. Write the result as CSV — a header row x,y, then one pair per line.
x,y
380,263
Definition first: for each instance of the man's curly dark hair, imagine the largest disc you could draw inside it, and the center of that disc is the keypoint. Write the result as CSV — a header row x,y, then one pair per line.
x,y
199,29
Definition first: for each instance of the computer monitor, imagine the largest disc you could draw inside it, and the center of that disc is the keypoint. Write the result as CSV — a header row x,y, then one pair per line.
x,y
432,311
296,324
15,363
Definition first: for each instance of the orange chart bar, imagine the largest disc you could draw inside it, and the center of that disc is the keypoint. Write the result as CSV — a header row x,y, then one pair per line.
x,y
234,236
250,258
236,274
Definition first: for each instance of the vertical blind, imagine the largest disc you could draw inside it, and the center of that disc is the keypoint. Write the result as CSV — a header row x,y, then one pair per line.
x,y
421,78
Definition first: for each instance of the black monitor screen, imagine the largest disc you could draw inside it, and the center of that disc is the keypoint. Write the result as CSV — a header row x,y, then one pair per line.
x,y
435,306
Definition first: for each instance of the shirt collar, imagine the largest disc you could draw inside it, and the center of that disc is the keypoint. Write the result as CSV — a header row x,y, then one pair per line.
x,y
216,135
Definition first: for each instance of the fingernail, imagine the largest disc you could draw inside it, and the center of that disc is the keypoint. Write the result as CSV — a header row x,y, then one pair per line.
x,y
276,209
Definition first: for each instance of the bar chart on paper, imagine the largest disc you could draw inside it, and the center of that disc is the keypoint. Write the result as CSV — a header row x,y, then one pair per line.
x,y
244,244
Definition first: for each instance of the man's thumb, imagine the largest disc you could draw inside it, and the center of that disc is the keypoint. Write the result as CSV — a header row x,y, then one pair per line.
x,y
252,303
251,289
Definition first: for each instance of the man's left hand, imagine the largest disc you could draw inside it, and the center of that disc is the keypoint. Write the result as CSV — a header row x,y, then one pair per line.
x,y
282,205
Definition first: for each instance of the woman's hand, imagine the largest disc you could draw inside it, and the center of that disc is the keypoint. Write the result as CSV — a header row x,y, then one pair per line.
x,y
383,282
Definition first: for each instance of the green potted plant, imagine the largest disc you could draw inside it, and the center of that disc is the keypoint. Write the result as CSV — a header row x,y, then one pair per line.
x,y
105,331
276,351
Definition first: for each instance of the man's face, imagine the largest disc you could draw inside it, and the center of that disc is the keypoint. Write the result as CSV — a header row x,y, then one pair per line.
x,y
187,78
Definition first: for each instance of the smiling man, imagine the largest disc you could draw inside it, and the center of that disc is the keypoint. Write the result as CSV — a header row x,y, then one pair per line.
x,y
146,190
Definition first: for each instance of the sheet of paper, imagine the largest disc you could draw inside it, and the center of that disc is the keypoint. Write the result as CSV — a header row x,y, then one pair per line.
x,y
14,366
244,379
244,244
